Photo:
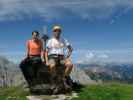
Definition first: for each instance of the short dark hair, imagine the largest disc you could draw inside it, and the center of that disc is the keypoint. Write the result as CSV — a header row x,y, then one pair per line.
x,y
36,33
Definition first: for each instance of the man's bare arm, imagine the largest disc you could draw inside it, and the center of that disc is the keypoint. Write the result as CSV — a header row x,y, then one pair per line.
x,y
70,49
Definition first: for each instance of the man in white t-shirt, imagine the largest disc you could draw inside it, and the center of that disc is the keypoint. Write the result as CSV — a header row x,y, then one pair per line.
x,y
55,49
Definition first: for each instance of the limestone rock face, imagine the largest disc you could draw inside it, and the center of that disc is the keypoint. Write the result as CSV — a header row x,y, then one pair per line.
x,y
10,74
81,77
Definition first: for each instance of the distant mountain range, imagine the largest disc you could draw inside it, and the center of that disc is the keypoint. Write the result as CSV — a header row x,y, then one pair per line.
x,y
109,71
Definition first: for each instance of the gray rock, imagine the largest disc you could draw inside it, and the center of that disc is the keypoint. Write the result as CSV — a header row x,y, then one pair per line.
x,y
53,97
10,74
81,77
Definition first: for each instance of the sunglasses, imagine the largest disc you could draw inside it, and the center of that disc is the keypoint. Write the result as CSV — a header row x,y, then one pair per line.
x,y
57,30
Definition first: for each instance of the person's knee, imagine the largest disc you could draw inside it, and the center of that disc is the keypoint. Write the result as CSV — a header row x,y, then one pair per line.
x,y
52,66
69,64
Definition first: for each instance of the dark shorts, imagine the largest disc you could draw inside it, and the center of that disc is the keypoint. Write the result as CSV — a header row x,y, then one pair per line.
x,y
35,59
56,59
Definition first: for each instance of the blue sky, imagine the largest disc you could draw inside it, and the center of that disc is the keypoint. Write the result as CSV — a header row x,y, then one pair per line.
x,y
99,30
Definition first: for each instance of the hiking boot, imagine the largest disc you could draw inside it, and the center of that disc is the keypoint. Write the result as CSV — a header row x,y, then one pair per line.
x,y
69,80
67,86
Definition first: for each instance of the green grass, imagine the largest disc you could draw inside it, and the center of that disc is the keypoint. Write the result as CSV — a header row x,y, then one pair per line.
x,y
13,93
107,92
112,91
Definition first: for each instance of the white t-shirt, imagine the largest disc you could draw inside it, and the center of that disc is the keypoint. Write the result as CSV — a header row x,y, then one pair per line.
x,y
55,46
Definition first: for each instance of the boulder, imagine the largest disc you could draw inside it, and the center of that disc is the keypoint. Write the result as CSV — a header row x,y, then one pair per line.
x,y
39,79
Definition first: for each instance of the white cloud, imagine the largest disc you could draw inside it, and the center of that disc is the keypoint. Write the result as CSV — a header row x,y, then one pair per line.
x,y
50,9
103,56
90,55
